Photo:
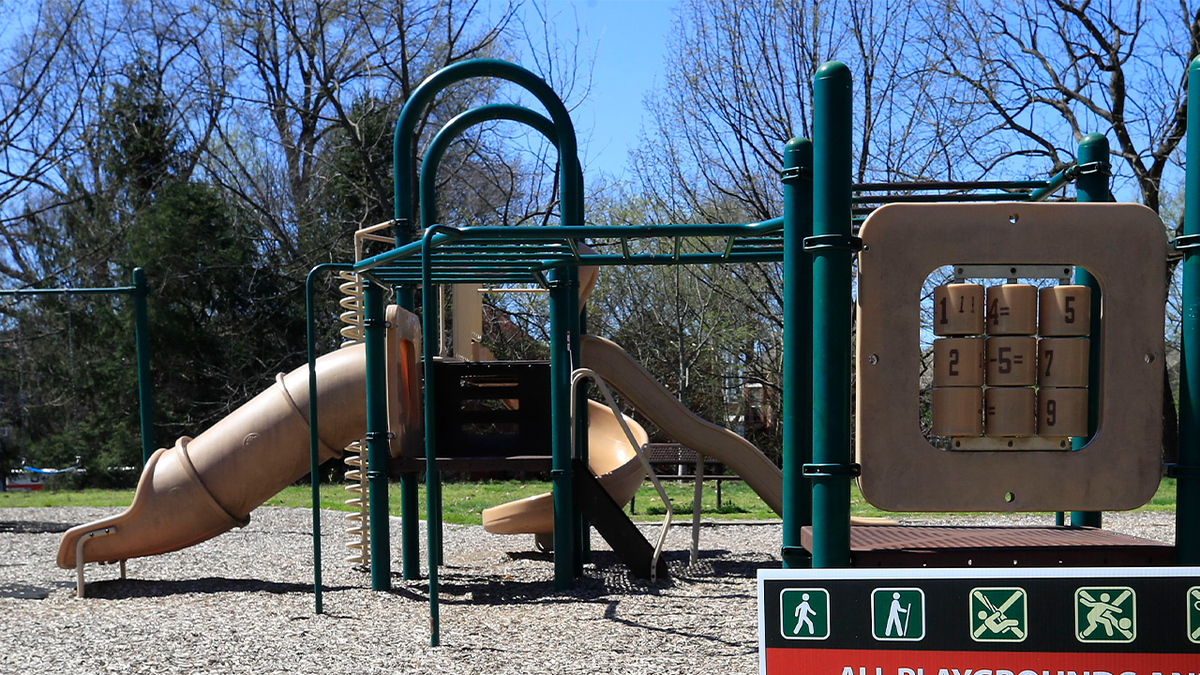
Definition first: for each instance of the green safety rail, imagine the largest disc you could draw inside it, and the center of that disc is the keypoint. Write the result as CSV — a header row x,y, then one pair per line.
x,y
514,255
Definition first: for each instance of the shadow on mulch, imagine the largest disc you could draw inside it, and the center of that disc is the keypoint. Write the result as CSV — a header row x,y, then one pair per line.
x,y
605,576
138,588
33,527
19,591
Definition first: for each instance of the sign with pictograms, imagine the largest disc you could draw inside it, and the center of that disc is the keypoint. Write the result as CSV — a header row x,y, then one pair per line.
x,y
1135,621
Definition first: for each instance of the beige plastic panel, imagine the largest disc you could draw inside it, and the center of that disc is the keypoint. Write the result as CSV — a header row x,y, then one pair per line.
x,y
1065,311
1011,361
1009,411
958,362
1123,245
958,309
1062,412
1063,362
404,383
957,411
466,328
1012,309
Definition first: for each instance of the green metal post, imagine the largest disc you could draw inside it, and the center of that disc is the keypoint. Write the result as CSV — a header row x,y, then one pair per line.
x,y
1187,470
832,300
1091,187
435,487
565,519
581,434
797,347
141,336
429,346
314,460
410,533
580,406
375,329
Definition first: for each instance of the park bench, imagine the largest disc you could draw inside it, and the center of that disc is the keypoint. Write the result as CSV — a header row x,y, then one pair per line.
x,y
675,461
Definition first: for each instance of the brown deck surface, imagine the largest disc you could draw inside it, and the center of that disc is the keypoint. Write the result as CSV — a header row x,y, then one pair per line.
x,y
989,546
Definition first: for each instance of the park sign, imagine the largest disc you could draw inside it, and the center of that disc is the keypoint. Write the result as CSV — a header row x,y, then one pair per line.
x,y
980,621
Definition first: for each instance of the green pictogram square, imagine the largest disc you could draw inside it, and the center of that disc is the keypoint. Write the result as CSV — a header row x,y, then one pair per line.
x,y
1105,614
1193,614
898,614
804,613
999,614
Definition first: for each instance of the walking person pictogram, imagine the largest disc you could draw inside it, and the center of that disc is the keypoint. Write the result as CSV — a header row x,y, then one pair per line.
x,y
802,618
804,613
894,617
898,614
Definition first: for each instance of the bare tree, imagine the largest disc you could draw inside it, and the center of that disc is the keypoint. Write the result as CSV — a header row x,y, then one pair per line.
x,y
1041,75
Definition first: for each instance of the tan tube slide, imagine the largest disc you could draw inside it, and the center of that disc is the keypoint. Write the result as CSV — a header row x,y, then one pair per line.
x,y
610,457
608,449
208,485
658,404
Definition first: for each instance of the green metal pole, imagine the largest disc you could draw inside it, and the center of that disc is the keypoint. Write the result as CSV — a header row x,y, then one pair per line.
x,y
832,300
581,433
1187,470
797,347
581,411
429,346
410,533
440,531
375,328
1091,187
141,333
560,431
314,460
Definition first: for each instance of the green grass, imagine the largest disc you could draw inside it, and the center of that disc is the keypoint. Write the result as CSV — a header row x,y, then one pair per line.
x,y
91,497
462,502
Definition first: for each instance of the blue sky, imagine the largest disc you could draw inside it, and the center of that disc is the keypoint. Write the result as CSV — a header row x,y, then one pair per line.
x,y
626,41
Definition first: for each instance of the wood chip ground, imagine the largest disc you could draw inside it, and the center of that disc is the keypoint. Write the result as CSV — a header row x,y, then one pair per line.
x,y
243,603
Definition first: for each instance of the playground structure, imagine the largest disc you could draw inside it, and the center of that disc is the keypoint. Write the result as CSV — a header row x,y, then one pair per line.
x,y
815,240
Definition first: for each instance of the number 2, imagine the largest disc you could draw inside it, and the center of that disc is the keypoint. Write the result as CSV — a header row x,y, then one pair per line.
x,y
953,362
